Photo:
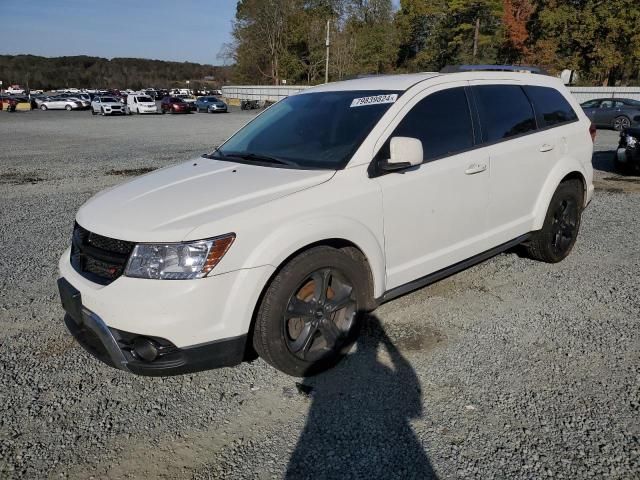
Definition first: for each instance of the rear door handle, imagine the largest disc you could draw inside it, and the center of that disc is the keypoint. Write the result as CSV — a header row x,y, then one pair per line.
x,y
475,168
546,147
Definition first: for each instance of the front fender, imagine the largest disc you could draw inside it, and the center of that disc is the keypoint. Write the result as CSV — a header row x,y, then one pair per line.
x,y
284,241
562,168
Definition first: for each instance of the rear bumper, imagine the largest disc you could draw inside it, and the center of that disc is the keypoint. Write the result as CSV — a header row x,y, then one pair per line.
x,y
116,348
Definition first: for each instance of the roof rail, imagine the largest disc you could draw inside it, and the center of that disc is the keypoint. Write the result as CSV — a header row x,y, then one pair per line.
x,y
493,68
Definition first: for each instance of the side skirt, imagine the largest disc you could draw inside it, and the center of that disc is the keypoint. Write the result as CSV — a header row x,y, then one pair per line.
x,y
448,271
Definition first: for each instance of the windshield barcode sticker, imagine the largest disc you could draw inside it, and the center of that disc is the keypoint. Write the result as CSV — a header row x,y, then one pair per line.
x,y
375,100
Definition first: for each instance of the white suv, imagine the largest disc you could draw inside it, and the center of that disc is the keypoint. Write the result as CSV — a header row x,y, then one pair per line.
x,y
327,204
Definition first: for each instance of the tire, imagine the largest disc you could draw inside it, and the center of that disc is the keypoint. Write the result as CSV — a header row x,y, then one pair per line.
x,y
68,108
301,328
621,122
561,225
102,112
93,112
43,108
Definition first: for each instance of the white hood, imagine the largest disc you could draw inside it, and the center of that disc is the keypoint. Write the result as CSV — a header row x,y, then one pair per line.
x,y
165,205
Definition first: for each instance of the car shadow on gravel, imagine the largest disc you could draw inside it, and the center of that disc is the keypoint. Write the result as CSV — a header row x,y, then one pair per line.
x,y
359,421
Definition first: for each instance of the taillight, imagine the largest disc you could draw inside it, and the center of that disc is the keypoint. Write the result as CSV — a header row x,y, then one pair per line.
x,y
592,132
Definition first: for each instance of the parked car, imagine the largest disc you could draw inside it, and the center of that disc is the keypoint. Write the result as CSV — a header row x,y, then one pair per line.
x,y
138,103
617,113
189,100
210,104
83,98
329,203
59,103
174,105
627,159
107,105
15,90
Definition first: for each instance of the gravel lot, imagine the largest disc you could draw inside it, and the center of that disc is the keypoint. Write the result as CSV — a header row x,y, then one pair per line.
x,y
511,369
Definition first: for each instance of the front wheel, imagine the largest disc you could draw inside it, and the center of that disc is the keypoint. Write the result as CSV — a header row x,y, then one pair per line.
x,y
93,112
309,316
621,122
559,232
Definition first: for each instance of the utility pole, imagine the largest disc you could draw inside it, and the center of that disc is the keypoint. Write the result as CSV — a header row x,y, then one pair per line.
x,y
326,68
476,33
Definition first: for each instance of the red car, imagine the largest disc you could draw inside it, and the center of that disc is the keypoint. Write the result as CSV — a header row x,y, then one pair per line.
x,y
174,105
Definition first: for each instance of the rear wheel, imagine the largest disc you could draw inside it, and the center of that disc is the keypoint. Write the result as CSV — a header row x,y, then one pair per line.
x,y
43,107
68,108
309,316
621,122
555,241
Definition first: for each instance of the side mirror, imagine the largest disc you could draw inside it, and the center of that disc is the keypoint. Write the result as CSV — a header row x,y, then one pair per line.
x,y
405,152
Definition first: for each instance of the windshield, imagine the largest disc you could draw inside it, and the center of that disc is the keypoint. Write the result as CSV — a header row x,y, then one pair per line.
x,y
311,130
633,103
108,100
145,100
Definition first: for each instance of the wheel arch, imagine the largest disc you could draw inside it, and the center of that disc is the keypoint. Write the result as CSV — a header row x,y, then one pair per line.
x,y
562,172
347,246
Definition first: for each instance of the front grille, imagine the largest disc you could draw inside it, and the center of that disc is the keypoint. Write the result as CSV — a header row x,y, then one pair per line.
x,y
98,258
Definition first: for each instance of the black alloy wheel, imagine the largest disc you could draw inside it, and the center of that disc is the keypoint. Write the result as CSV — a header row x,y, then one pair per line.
x,y
559,232
565,226
319,315
310,313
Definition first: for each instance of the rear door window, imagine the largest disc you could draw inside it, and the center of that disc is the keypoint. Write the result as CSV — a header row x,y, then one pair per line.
x,y
442,122
550,105
505,112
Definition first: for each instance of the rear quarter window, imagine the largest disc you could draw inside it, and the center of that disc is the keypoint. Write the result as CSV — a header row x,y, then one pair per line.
x,y
505,112
550,105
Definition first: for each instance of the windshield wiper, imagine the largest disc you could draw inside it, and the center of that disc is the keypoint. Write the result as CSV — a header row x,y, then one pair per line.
x,y
258,157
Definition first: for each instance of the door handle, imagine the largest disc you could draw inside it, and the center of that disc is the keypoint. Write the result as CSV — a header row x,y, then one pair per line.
x,y
546,147
475,168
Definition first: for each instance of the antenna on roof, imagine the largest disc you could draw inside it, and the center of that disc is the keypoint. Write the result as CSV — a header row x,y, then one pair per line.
x,y
493,68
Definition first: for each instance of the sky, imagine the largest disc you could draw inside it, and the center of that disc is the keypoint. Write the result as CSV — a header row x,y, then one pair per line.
x,y
180,30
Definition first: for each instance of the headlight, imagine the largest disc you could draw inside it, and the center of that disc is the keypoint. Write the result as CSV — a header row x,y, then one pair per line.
x,y
177,261
631,141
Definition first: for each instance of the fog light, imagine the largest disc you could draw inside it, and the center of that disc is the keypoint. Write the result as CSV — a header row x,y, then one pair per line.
x,y
145,349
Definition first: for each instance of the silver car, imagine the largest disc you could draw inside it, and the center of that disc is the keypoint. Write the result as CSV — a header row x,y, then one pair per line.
x,y
59,103
108,106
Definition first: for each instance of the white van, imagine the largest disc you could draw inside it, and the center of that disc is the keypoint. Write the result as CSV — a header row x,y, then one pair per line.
x,y
141,103
327,204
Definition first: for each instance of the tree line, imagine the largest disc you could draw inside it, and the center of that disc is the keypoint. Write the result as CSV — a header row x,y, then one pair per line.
x,y
95,72
276,40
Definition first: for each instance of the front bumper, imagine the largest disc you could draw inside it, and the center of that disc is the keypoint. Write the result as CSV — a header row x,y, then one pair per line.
x,y
205,320
117,348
